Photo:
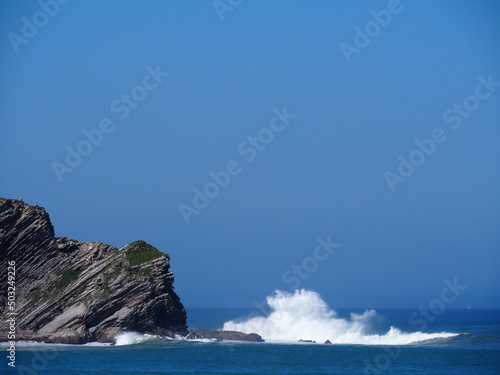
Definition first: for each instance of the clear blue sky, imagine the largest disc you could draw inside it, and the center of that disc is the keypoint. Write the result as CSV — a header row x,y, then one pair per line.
x,y
321,175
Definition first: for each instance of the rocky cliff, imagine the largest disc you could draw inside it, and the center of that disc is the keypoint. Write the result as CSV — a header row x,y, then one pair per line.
x,y
76,292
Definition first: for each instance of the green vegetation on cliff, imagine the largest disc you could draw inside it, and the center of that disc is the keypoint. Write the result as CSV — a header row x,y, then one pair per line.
x,y
139,252
49,292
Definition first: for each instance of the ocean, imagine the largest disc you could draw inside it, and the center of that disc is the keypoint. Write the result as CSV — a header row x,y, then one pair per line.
x,y
382,341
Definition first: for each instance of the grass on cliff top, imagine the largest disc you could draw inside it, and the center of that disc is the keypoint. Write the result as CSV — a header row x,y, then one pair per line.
x,y
140,252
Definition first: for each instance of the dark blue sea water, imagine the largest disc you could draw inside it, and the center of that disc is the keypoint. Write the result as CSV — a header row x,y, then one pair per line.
x,y
475,349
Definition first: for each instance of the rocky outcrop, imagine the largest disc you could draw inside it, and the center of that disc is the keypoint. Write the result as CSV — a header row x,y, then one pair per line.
x,y
76,292
223,335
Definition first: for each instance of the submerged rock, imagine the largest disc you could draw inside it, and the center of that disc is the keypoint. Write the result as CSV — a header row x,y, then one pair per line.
x,y
69,291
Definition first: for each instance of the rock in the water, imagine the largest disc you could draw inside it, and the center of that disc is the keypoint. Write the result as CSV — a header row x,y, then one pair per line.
x,y
223,335
76,292
328,342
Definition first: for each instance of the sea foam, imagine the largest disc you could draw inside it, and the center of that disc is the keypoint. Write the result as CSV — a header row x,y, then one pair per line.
x,y
129,338
304,315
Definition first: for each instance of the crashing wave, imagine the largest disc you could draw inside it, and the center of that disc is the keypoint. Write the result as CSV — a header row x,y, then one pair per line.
x,y
304,315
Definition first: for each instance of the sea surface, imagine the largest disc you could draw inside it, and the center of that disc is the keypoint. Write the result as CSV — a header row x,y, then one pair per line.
x,y
453,341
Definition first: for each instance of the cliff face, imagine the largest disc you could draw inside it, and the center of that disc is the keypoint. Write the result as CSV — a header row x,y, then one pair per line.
x,y
76,292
